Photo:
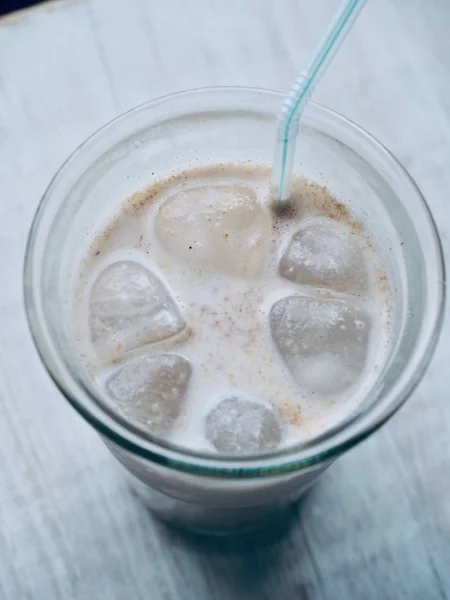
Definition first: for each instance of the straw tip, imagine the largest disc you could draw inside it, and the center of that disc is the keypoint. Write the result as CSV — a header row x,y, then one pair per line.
x,y
289,208
276,194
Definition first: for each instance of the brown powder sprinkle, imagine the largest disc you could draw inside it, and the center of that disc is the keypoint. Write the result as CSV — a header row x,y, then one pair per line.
x,y
291,414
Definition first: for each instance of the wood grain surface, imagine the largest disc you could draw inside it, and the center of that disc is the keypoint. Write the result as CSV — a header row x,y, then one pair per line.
x,y
377,526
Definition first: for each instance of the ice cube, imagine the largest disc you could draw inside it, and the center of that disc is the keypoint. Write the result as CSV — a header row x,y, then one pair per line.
x,y
130,307
324,342
242,426
150,390
221,227
324,254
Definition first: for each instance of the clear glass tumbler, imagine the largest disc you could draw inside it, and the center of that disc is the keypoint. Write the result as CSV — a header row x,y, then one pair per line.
x,y
228,125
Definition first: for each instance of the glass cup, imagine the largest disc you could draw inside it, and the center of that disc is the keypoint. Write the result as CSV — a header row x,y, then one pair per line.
x,y
219,493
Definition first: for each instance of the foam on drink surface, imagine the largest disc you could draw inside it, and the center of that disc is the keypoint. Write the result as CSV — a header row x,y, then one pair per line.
x,y
215,320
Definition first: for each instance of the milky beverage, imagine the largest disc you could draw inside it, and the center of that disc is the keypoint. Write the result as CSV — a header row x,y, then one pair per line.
x,y
215,319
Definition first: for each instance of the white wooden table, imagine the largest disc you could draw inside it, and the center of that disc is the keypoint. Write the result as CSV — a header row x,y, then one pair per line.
x,y
378,524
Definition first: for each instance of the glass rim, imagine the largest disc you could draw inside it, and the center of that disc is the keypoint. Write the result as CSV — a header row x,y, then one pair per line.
x,y
334,441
